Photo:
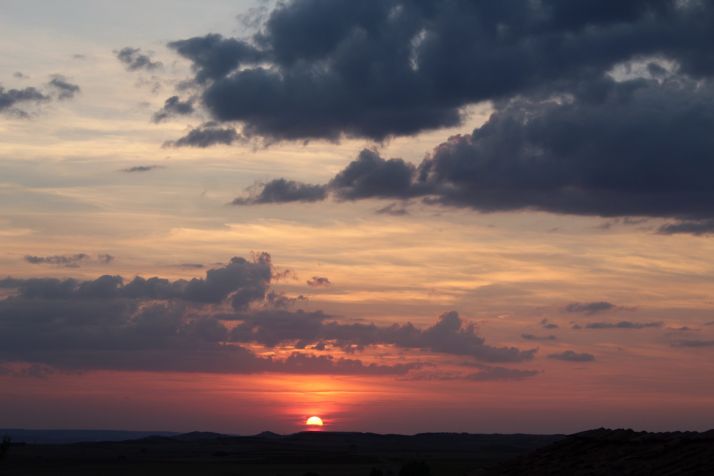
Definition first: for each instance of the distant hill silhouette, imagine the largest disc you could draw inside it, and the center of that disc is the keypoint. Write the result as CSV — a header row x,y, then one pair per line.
x,y
592,453
619,452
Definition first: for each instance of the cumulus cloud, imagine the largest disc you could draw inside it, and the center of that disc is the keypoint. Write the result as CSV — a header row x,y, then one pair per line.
x,y
206,135
598,152
150,324
572,356
207,325
134,59
241,282
378,68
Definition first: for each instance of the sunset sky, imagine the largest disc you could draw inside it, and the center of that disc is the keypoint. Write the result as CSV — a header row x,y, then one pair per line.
x,y
398,215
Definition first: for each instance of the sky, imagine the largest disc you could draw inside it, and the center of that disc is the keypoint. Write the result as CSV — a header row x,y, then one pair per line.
x,y
398,215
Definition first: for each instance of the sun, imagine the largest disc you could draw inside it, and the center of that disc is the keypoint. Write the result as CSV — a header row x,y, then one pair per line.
x,y
314,421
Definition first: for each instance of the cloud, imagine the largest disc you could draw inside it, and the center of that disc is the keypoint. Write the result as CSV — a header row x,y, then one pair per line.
x,y
693,343
692,227
173,106
152,325
282,191
134,60
318,282
241,282
92,335
64,89
69,261
10,98
141,168
207,325
397,67
622,325
449,335
590,307
206,135
537,338
597,151
572,356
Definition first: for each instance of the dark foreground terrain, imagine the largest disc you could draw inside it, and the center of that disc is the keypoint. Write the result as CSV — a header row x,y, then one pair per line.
x,y
598,452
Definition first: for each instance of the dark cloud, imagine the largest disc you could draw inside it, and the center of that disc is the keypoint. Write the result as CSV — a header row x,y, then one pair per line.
x,y
206,135
91,335
134,60
152,325
693,343
371,176
378,68
282,191
449,335
141,168
692,227
572,356
240,282
318,282
214,56
622,325
11,98
590,307
599,150
64,89
537,338
173,106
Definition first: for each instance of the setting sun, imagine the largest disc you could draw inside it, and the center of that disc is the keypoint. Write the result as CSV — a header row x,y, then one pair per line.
x,y
314,421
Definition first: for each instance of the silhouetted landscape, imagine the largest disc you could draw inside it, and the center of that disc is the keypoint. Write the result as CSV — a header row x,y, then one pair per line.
x,y
596,452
